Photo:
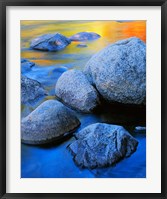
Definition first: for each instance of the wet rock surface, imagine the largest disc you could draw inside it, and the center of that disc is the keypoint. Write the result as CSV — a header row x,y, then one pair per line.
x,y
74,89
119,71
56,161
50,42
100,145
48,122
31,90
85,36
26,65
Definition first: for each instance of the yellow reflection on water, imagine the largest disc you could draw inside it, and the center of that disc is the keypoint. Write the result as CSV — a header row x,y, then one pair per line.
x,y
45,62
110,31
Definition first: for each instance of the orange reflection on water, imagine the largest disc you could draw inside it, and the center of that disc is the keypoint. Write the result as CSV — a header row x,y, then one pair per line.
x,y
137,29
113,30
110,32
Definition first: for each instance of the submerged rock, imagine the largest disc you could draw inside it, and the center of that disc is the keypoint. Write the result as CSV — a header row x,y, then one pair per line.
x,y
122,21
85,36
30,90
140,128
119,71
48,122
26,65
50,42
23,60
100,145
82,46
74,90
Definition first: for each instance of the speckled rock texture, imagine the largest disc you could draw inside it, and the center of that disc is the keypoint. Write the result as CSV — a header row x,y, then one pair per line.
x,y
84,36
50,42
26,65
73,89
119,71
101,145
48,122
30,90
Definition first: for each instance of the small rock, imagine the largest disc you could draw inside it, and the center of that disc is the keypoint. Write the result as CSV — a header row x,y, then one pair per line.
x,y
74,90
48,122
119,71
123,21
23,60
50,42
84,36
82,46
140,128
100,145
26,65
30,90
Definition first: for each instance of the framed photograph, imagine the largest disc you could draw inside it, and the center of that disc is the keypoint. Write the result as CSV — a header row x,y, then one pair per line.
x,y
83,93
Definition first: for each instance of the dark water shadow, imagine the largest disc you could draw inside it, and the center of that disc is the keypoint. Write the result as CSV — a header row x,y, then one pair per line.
x,y
122,114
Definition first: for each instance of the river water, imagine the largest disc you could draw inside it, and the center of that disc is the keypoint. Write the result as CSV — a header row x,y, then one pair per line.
x,y
54,160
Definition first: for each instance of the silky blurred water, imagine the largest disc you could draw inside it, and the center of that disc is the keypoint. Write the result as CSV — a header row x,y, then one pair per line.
x,y
54,160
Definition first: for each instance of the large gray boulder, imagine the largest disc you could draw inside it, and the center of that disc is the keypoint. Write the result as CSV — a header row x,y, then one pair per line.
x,y
100,145
50,42
85,36
30,90
48,122
74,90
119,71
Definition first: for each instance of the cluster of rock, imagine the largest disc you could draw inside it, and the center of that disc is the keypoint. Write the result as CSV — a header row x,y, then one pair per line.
x,y
97,145
57,41
116,74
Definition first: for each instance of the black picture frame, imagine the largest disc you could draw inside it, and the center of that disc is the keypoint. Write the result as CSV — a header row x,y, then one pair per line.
x,y
3,5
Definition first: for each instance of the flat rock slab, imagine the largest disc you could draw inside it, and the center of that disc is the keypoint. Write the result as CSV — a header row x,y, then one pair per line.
x,y
84,36
101,145
30,90
73,89
119,71
48,122
50,42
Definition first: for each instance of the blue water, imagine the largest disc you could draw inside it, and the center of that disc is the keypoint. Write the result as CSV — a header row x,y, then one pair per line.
x,y
55,161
